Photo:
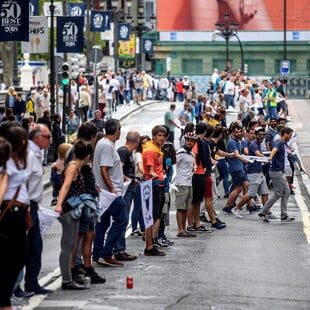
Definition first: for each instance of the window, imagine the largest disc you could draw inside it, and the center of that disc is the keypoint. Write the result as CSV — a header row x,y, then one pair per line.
x,y
192,66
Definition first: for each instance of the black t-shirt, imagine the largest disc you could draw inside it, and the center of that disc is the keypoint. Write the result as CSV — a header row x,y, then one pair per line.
x,y
128,165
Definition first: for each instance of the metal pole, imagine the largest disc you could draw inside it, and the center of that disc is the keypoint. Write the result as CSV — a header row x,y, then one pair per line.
x,y
115,43
227,52
140,32
52,61
88,69
96,105
64,108
15,78
284,31
241,52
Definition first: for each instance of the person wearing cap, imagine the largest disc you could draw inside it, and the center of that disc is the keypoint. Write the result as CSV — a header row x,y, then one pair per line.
x,y
257,180
170,122
185,166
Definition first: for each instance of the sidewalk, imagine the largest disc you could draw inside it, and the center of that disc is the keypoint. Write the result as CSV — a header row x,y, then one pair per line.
x,y
122,112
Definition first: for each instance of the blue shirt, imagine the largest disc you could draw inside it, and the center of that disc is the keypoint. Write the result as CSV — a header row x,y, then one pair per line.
x,y
278,161
256,166
234,164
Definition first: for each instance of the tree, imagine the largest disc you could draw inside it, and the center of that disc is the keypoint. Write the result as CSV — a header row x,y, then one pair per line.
x,y
6,50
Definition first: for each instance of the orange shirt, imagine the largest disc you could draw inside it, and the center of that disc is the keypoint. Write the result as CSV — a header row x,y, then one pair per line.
x,y
200,169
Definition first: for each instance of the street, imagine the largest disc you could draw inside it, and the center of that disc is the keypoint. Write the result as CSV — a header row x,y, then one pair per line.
x,y
248,265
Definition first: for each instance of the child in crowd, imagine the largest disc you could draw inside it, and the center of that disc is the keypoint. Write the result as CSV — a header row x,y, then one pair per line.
x,y
57,169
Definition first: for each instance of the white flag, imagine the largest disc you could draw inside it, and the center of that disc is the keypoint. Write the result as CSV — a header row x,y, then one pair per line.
x,y
147,203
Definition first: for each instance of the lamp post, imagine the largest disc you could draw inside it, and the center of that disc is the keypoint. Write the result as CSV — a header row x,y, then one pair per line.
x,y
52,61
227,29
118,15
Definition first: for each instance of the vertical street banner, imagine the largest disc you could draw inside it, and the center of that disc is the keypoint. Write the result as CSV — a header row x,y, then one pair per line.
x,y
100,21
148,46
33,8
147,202
38,36
14,24
76,9
127,52
123,32
70,36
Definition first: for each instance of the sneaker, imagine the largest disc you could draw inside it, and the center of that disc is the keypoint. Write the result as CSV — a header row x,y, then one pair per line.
x,y
191,228
237,213
253,209
43,291
153,252
109,262
263,217
124,256
203,229
271,216
94,276
218,225
77,277
219,221
72,286
19,293
227,209
287,219
136,233
167,242
157,243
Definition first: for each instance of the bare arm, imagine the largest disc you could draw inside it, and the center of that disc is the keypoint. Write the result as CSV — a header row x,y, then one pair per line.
x,y
106,179
3,185
70,175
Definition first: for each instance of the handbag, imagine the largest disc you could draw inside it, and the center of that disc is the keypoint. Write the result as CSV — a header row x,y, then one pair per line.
x,y
82,103
11,204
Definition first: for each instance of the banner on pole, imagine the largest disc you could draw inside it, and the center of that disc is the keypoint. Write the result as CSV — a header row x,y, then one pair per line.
x,y
38,36
70,38
147,202
14,25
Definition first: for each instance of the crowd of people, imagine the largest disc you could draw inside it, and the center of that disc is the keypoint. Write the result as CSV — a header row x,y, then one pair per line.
x,y
249,156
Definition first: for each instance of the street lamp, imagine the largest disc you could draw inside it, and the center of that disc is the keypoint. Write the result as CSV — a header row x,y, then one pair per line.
x,y
227,29
118,15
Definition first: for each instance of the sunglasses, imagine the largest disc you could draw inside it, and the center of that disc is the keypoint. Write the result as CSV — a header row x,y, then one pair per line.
x,y
46,136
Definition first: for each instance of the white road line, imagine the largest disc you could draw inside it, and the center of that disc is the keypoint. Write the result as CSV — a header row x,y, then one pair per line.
x,y
304,211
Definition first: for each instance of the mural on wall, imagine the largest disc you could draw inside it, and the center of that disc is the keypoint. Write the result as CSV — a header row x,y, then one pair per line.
x,y
252,15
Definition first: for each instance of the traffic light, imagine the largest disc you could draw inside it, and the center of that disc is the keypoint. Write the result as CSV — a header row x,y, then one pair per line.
x,y
65,74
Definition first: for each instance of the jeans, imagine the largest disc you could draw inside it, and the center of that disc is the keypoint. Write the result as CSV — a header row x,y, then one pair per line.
x,y
121,242
272,113
70,229
280,190
229,99
34,251
136,215
127,96
223,172
118,213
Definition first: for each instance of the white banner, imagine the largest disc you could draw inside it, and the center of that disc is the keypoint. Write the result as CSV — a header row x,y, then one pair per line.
x,y
147,202
38,36
57,10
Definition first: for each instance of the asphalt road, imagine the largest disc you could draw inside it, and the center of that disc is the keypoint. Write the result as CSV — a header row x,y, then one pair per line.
x,y
248,265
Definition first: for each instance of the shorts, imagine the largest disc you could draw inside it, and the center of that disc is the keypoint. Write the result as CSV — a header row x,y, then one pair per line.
x,y
238,177
257,184
208,187
158,201
198,185
86,224
183,197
